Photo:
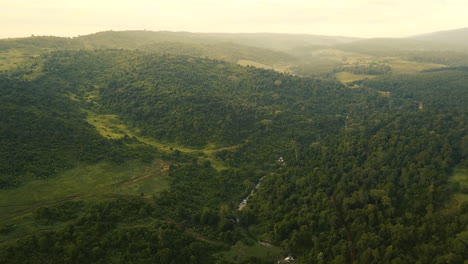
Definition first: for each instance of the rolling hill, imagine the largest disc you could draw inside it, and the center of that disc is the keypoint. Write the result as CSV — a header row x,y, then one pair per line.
x,y
456,37
266,48
138,147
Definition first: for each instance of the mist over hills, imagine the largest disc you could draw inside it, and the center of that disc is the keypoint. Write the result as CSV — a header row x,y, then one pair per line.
x,y
278,41
303,55
454,37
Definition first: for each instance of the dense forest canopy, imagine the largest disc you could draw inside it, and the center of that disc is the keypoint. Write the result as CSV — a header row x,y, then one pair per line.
x,y
365,171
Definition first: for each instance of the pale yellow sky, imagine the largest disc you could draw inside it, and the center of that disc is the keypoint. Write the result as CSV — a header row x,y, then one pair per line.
x,y
361,18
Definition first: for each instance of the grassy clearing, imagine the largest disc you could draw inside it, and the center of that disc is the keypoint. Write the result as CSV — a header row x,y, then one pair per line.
x,y
131,178
341,56
11,58
246,63
17,58
460,176
386,94
397,64
112,127
254,64
346,77
402,66
107,125
241,252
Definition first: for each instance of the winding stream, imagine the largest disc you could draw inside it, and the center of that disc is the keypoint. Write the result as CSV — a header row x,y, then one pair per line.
x,y
246,199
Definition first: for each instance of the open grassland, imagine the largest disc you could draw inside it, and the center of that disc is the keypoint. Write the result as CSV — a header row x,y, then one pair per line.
x,y
254,64
402,66
398,64
346,77
108,126
341,56
87,182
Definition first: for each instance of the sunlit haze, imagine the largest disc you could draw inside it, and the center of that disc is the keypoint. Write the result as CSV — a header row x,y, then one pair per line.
x,y
360,18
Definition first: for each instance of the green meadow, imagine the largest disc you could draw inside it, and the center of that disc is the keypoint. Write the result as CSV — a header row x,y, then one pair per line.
x,y
346,77
100,180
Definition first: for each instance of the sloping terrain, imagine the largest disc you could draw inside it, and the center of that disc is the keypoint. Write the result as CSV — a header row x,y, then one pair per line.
x,y
453,37
347,175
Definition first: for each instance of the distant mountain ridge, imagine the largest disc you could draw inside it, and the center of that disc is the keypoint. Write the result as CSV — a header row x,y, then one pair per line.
x,y
283,52
276,41
454,37
449,40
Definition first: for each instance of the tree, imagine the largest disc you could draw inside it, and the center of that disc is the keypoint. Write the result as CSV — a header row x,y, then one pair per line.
x,y
266,123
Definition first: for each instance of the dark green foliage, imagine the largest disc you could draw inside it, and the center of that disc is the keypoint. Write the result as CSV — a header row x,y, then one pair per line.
x,y
364,177
96,237
43,131
375,193
196,101
436,90
171,99
63,212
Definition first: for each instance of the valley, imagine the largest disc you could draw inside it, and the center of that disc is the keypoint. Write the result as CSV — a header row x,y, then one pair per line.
x,y
137,147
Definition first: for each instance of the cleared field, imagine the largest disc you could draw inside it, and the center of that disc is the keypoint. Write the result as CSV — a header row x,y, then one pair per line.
x,y
340,55
253,63
108,126
246,63
100,180
402,66
346,77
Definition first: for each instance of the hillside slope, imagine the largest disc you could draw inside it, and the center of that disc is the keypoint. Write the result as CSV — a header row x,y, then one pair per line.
x,y
347,175
454,37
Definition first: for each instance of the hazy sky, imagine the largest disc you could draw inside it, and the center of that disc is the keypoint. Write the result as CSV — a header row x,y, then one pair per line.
x,y
363,18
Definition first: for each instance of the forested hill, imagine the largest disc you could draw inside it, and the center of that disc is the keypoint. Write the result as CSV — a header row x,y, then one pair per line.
x,y
14,51
44,132
364,176
226,51
273,41
270,49
194,101
305,55
137,38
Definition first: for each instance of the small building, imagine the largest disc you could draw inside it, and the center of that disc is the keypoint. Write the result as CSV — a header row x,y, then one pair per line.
x,y
288,259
